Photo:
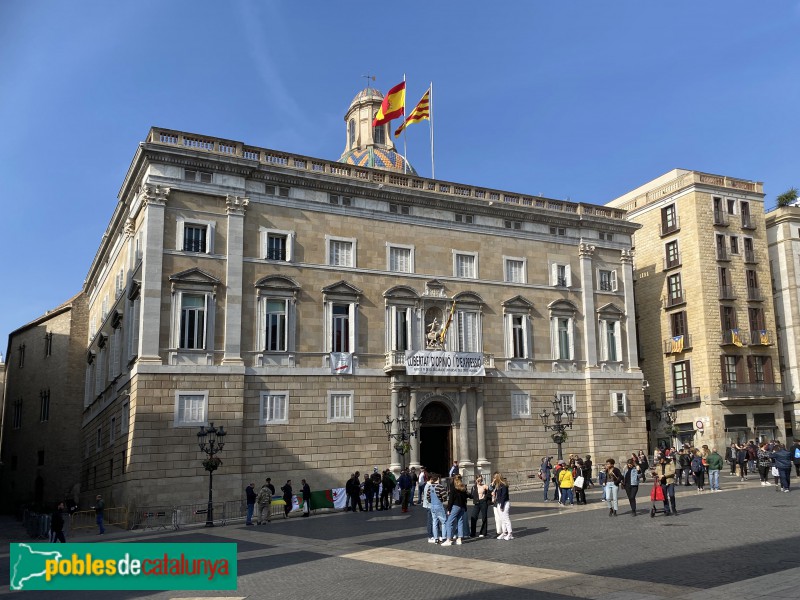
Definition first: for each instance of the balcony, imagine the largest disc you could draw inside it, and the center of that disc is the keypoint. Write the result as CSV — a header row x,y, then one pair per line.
x,y
672,262
733,337
396,361
668,228
677,344
720,218
761,337
750,390
675,299
754,294
561,282
749,256
680,398
747,222
726,292
722,253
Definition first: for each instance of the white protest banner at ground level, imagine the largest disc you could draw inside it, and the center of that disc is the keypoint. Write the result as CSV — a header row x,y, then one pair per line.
x,y
425,362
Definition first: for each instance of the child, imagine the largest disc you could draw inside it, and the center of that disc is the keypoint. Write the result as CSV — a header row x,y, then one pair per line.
x,y
601,480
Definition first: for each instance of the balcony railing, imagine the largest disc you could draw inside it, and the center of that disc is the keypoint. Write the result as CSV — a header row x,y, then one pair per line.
x,y
720,218
754,294
676,298
747,222
677,344
722,253
667,228
749,256
671,262
726,292
733,337
761,337
744,390
686,397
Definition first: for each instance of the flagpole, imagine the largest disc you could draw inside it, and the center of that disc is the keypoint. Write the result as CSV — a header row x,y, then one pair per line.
x,y
433,165
405,146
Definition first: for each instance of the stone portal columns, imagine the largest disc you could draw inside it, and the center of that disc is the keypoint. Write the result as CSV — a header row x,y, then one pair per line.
x,y
236,206
585,253
463,430
626,259
154,199
412,410
483,463
395,464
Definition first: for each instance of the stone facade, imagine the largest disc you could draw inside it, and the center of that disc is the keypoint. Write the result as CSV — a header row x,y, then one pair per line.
x,y
705,323
40,452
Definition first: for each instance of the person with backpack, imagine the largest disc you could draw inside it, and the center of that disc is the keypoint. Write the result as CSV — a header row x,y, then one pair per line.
x,y
698,470
264,501
631,477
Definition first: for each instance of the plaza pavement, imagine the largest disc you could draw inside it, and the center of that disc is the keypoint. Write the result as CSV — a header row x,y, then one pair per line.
x,y
743,542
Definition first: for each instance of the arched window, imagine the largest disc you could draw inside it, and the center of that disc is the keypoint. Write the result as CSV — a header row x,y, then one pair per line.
x,y
352,132
379,134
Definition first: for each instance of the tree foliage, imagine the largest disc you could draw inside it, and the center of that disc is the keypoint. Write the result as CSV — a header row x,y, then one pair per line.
x,y
788,197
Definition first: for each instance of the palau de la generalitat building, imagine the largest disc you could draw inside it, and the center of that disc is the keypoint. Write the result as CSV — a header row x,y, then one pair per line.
x,y
298,301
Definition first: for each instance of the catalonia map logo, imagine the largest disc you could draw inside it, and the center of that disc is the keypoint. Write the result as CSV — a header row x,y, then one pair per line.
x,y
123,566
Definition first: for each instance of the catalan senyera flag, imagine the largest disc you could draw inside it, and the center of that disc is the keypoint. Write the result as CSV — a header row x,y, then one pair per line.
x,y
447,323
394,105
421,112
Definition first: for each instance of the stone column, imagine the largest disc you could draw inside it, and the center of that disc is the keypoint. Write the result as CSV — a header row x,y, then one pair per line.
x,y
463,431
412,410
586,252
394,465
626,261
483,463
236,207
154,198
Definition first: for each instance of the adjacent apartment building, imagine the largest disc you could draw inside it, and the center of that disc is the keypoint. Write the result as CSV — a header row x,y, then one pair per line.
x,y
706,324
301,302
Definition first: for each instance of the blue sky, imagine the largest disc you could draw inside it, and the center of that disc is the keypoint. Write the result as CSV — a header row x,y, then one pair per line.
x,y
583,100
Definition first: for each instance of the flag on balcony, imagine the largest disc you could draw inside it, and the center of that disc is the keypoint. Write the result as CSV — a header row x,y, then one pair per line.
x,y
763,337
677,344
736,339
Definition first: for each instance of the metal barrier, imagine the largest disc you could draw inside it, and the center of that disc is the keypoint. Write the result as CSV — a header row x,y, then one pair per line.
x,y
87,519
186,515
36,525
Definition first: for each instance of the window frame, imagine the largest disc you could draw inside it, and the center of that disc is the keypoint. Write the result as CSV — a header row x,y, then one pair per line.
x,y
523,263
523,400
614,397
44,405
178,421
289,236
556,280
350,417
183,222
612,280
390,246
573,402
458,254
265,398
330,239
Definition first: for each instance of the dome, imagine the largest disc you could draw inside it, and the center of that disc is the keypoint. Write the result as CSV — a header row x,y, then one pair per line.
x,y
379,158
367,93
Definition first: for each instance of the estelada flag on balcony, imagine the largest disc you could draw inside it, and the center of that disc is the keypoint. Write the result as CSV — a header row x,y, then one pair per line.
x,y
421,112
394,105
763,337
736,339
677,344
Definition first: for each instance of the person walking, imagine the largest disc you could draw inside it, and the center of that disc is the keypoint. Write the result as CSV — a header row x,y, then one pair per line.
x,y
545,472
287,498
57,524
580,486
644,465
587,466
250,496
264,501
783,461
456,511
698,471
764,463
99,510
437,497
613,481
306,498
502,501
715,463
631,479
664,471
480,498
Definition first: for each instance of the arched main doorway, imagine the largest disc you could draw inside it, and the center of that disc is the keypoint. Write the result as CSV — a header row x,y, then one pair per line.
x,y
435,437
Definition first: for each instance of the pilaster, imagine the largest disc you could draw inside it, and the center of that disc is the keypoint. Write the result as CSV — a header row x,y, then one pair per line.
x,y
154,199
585,254
626,265
236,207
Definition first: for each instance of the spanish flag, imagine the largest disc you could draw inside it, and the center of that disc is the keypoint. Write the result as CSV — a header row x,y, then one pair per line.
x,y
421,112
394,105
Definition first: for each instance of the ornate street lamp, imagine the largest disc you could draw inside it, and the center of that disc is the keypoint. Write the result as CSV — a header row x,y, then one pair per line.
x,y
406,429
558,427
668,414
211,441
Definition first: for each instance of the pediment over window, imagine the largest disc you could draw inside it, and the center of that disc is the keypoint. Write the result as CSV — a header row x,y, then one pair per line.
x,y
563,306
610,310
342,288
277,282
468,297
435,288
194,275
518,302
401,292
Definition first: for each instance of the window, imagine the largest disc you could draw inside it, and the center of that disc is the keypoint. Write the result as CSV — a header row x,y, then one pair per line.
x,y
275,319
112,432
274,407
749,253
21,350
752,279
340,200
558,230
610,340
669,220
560,275
48,344
468,332
16,422
567,400
609,237
340,406
40,458
520,405
340,328
399,209
518,336
134,314
619,403
517,320
745,210
725,288
190,408
379,134
195,236
678,323
282,191
562,334
731,206
119,283
400,327
201,176
125,418
756,318
564,338
607,280
674,290
340,317
515,270
734,244
341,252
44,406
98,443
401,259
727,317
681,380
465,265
192,335
277,246
760,369
351,129
512,225
461,218
730,371
722,250
673,256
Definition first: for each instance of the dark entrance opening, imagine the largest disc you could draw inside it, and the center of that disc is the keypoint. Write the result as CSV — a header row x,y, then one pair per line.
x,y
435,438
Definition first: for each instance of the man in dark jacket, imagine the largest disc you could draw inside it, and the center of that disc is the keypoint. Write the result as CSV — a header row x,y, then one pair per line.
x,y
386,491
57,524
783,461
355,492
306,498
287,498
404,483
250,493
376,488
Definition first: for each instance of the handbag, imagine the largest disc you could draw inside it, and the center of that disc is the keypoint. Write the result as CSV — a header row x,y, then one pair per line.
x,y
579,481
775,472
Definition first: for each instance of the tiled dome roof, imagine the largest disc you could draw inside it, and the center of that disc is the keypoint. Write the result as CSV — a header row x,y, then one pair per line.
x,y
367,93
380,158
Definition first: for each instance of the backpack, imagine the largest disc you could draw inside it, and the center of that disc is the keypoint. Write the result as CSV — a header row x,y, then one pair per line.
x,y
797,453
264,496
697,464
634,477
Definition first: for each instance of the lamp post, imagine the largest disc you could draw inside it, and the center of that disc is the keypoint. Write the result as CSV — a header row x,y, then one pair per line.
x,y
668,414
406,429
211,440
558,427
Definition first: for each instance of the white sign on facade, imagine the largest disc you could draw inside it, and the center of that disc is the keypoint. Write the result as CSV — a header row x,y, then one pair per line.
x,y
425,362
341,363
